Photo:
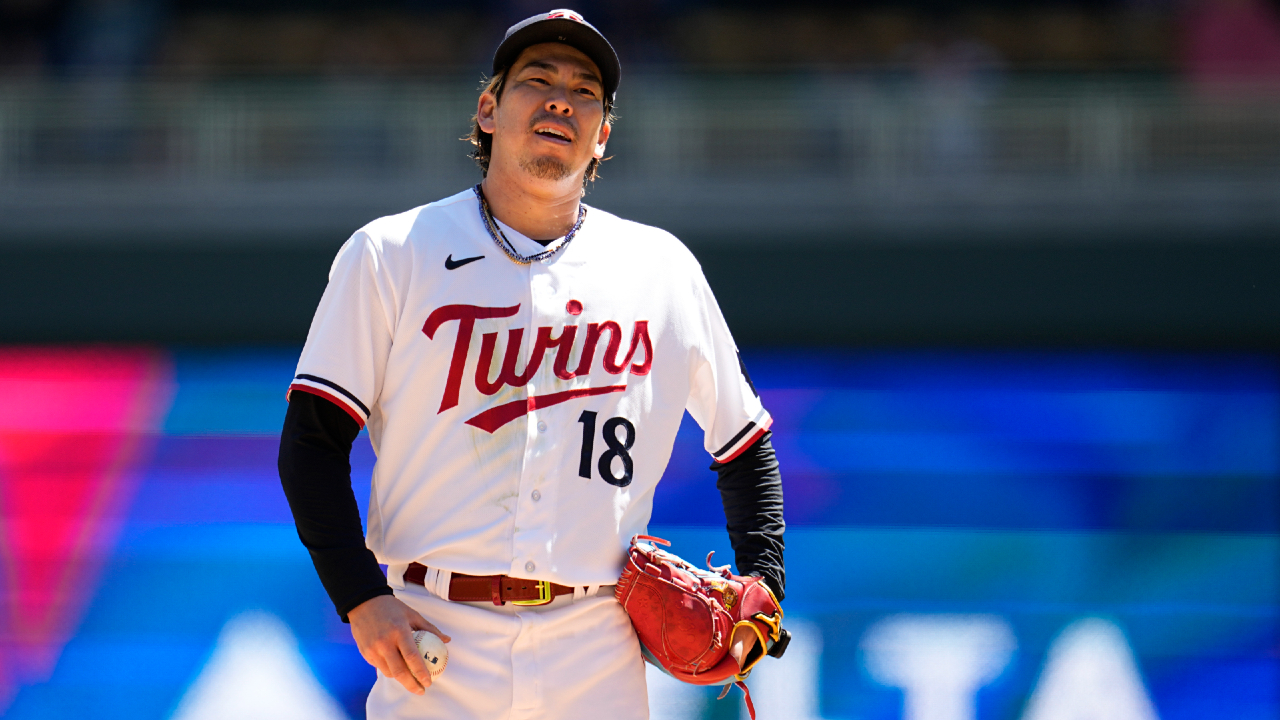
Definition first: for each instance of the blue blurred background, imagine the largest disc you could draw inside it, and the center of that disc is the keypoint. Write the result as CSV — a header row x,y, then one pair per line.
x,y
1006,274
986,501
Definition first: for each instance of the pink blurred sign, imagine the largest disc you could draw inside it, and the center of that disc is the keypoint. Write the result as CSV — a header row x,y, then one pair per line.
x,y
74,424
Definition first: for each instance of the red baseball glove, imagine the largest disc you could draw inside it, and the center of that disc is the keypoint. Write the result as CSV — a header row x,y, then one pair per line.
x,y
686,617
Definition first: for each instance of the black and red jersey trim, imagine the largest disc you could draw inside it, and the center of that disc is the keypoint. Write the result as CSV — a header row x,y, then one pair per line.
x,y
340,397
335,386
745,437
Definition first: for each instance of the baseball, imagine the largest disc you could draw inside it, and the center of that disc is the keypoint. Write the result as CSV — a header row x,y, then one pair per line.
x,y
433,650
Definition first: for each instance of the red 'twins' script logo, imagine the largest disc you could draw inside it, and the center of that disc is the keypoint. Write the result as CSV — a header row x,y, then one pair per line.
x,y
496,417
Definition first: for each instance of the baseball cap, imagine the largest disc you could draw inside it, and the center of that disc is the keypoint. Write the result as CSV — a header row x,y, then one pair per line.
x,y
562,26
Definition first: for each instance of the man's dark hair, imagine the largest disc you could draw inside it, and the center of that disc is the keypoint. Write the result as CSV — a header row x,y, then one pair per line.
x,y
482,142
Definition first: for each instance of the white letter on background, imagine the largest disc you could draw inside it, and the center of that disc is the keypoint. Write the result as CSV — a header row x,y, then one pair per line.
x,y
939,661
1090,675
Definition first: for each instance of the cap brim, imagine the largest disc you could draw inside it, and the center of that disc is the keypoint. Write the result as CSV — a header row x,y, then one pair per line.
x,y
570,32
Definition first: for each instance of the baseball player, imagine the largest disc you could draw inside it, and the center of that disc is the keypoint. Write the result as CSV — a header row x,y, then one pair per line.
x,y
522,362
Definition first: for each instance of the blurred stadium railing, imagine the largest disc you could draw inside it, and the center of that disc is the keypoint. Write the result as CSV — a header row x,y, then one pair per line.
x,y
722,153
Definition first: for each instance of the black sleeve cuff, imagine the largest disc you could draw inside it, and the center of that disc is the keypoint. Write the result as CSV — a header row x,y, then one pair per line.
x,y
359,599
350,576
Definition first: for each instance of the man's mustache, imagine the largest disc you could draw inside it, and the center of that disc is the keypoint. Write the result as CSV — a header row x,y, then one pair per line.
x,y
554,119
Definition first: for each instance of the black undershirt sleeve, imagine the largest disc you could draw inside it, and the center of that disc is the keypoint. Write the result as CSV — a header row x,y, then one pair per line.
x,y
751,490
315,471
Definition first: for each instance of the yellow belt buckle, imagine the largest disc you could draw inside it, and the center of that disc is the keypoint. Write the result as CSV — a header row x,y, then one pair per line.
x,y
544,595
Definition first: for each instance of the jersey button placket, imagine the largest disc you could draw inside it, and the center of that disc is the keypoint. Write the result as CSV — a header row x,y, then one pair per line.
x,y
531,541
525,542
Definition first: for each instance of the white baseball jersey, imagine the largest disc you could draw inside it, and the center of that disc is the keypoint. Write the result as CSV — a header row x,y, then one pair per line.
x,y
522,415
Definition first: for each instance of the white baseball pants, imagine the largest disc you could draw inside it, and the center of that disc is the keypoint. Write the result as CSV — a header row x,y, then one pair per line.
x,y
568,659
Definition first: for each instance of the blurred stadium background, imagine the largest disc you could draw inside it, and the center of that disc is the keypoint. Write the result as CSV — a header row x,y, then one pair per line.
x,y
1005,272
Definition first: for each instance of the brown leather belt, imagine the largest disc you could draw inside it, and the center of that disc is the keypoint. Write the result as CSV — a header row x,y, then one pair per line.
x,y
499,589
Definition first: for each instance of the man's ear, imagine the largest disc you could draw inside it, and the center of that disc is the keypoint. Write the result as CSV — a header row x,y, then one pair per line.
x,y
485,109
602,139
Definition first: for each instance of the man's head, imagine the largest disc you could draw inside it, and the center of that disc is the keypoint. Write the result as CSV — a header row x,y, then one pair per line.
x,y
547,110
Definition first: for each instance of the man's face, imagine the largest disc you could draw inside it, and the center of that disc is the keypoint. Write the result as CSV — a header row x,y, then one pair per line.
x,y
550,121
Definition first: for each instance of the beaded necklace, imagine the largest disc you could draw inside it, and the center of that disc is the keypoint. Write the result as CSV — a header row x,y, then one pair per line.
x,y
505,245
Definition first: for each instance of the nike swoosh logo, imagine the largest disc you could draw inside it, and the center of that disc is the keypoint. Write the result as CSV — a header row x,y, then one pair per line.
x,y
451,264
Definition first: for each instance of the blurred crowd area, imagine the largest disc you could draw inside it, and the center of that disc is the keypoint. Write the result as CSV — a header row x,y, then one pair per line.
x,y
1202,38
1137,117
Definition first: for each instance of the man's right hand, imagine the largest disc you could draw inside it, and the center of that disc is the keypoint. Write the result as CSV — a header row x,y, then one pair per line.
x,y
383,629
